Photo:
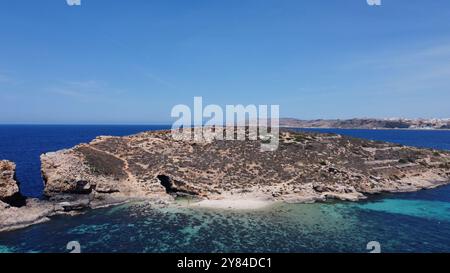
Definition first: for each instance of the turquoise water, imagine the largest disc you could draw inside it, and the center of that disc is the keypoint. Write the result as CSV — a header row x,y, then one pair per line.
x,y
399,224
406,222
435,210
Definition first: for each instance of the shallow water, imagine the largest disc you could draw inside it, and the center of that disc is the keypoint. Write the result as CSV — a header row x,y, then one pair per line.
x,y
398,223
406,222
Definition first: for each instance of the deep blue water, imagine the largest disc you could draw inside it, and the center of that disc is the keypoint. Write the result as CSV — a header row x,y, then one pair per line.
x,y
24,144
406,222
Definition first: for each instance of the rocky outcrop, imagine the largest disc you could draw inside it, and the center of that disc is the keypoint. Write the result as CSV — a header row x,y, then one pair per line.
x,y
9,188
15,210
306,167
33,212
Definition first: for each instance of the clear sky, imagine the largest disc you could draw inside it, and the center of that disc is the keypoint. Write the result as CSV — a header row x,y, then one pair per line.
x,y
130,61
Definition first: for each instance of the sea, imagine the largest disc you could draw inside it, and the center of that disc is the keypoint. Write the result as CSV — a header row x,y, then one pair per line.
x,y
399,223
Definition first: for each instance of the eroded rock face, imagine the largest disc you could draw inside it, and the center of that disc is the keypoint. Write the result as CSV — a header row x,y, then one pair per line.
x,y
9,188
305,168
15,210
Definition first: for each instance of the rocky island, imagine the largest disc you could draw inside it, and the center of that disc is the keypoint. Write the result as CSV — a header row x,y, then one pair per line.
x,y
307,167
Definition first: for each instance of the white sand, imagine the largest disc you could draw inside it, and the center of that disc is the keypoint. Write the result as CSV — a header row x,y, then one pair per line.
x,y
235,204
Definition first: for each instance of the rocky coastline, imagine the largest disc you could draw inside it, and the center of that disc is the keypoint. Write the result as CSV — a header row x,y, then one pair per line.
x,y
369,123
153,166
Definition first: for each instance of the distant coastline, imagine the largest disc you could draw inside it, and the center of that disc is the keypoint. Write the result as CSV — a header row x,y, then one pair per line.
x,y
293,123
334,128
353,123
368,123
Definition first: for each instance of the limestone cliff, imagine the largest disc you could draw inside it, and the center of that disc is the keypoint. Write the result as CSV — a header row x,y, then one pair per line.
x,y
9,188
15,210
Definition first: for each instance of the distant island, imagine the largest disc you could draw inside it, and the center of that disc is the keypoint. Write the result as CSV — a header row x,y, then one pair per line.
x,y
307,167
367,123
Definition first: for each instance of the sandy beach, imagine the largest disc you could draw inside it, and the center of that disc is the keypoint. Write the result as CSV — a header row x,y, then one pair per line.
x,y
236,202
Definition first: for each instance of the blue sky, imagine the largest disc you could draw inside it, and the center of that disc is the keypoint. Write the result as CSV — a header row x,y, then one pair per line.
x,y
121,61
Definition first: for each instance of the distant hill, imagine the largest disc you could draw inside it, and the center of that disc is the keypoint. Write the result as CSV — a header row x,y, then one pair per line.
x,y
367,123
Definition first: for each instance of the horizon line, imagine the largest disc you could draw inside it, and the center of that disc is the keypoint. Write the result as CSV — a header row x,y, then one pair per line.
x,y
169,123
